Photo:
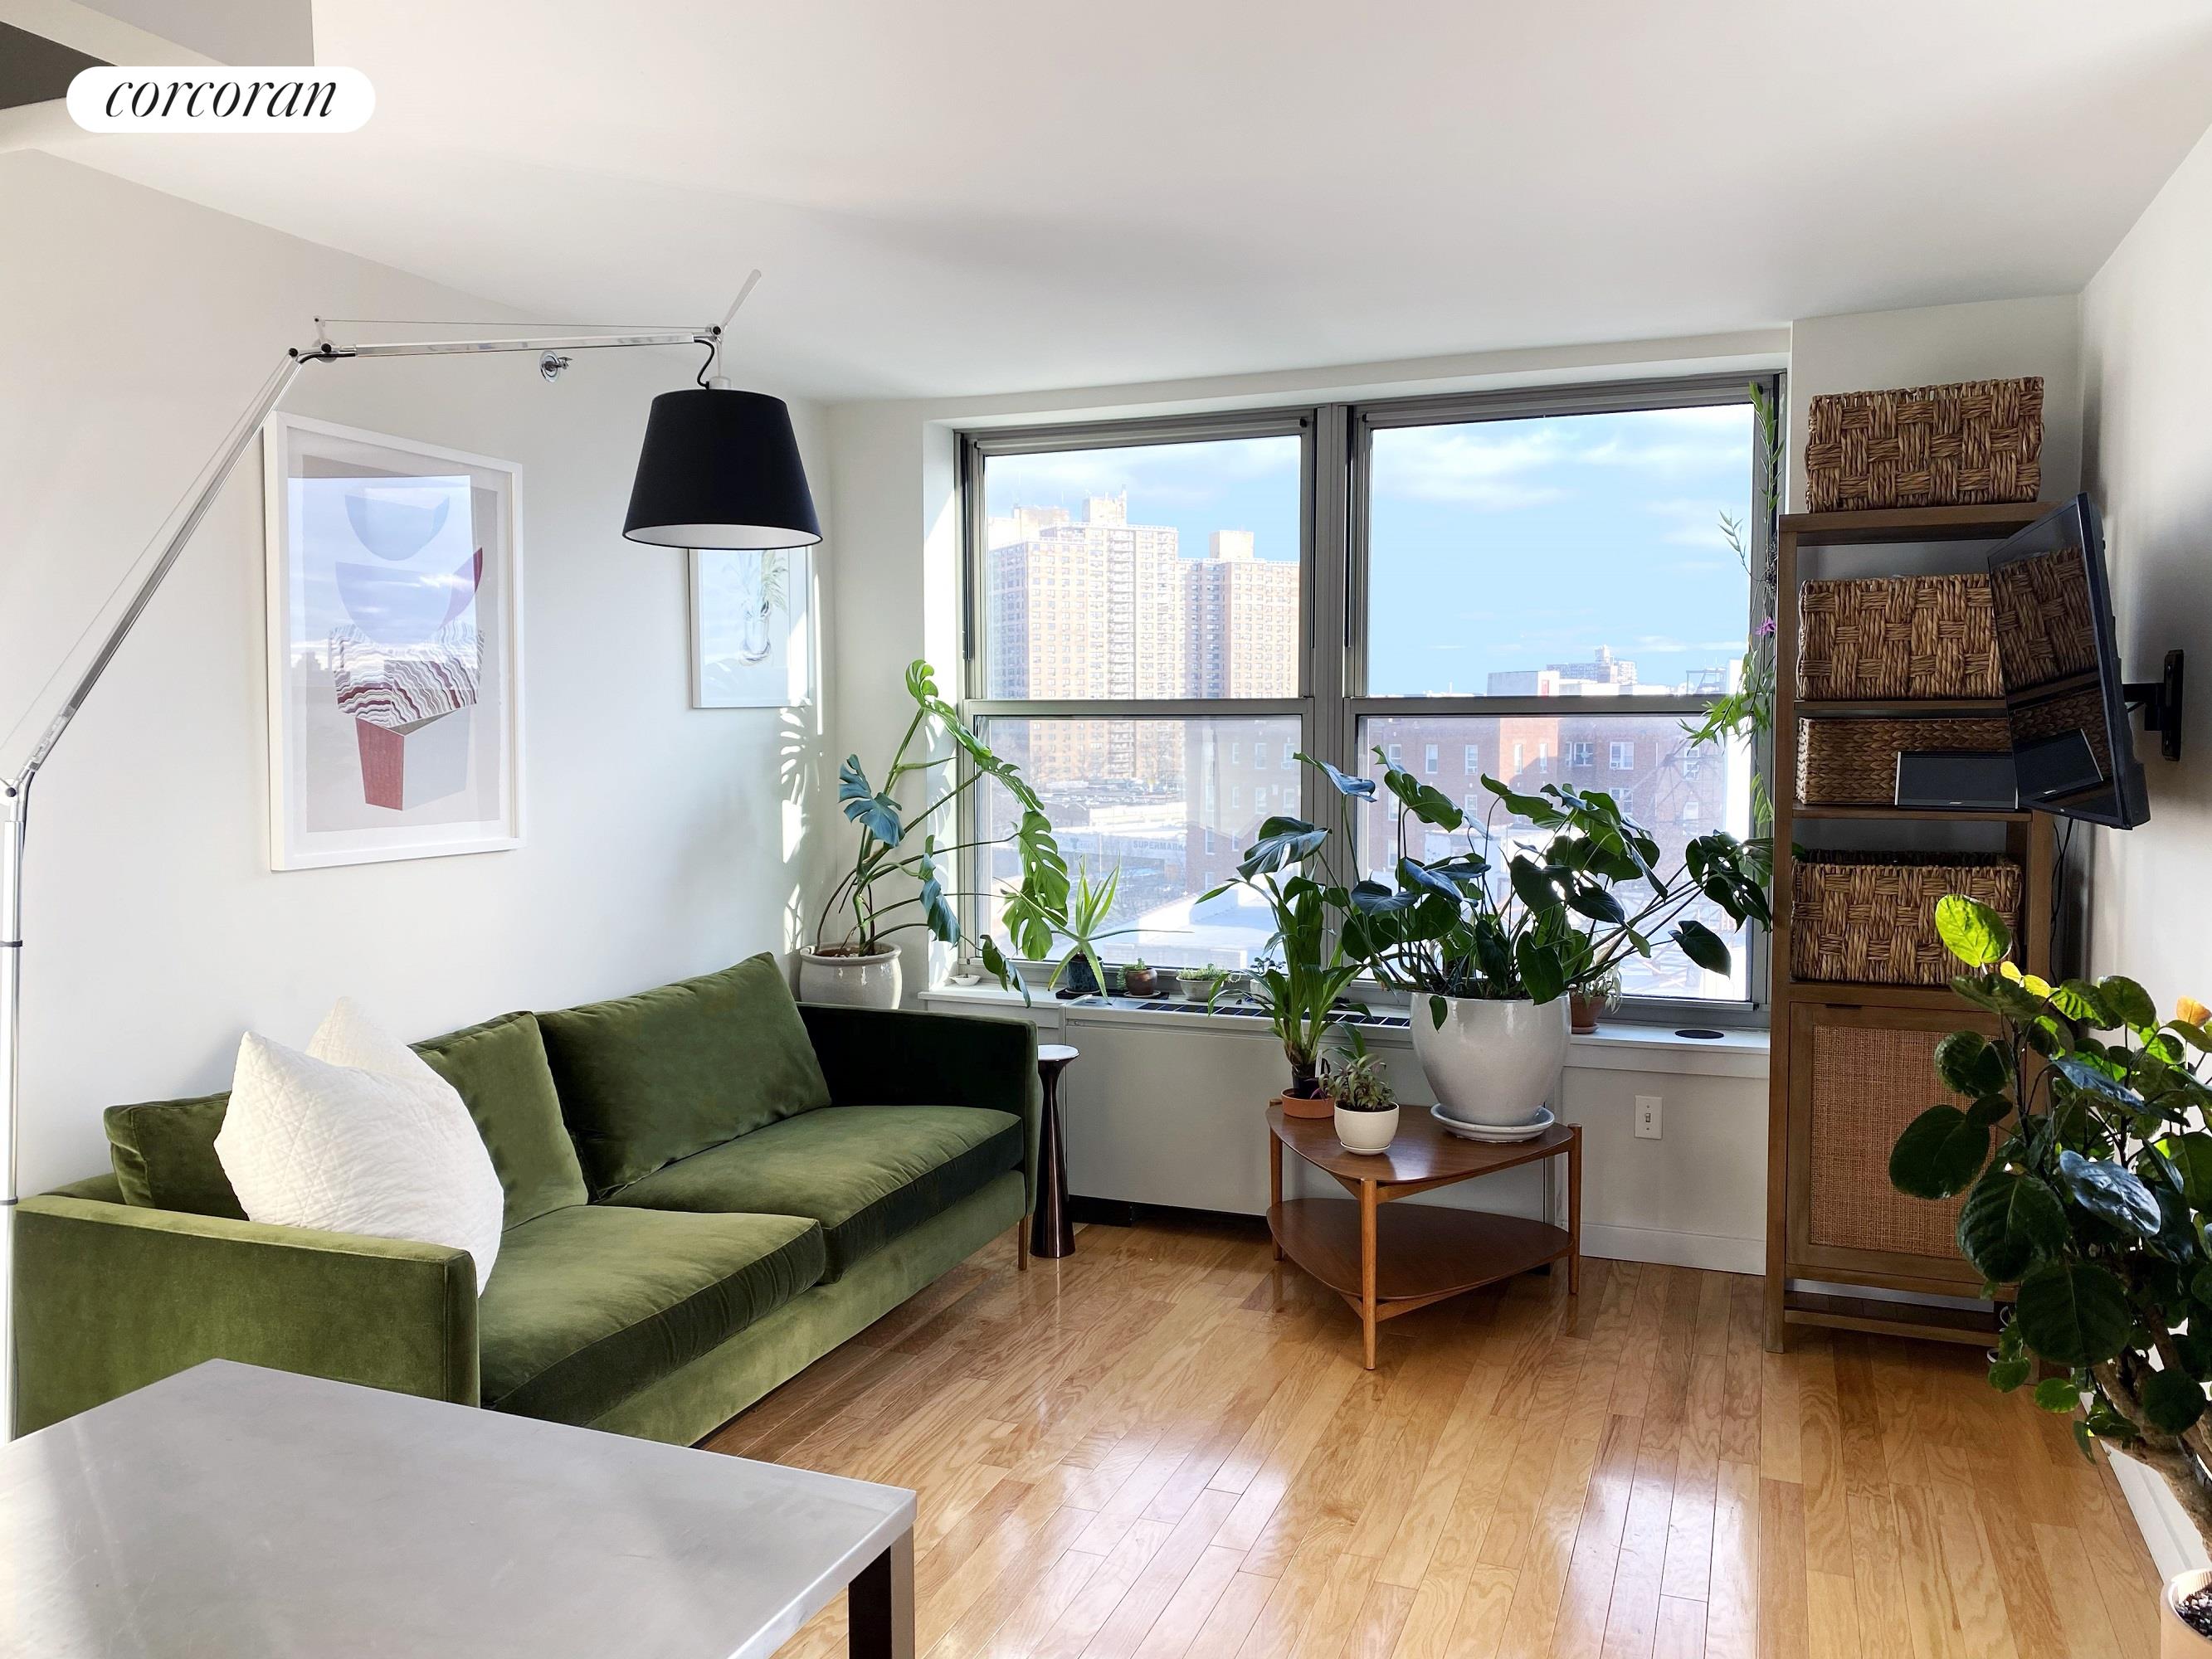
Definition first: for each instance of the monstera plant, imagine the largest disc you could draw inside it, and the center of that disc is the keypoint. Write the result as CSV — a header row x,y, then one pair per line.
x,y
2081,1150
1487,940
896,881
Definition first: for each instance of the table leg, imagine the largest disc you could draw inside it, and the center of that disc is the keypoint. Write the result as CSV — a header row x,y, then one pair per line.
x,y
1367,1203
1574,1213
1274,1189
880,1605
1052,1232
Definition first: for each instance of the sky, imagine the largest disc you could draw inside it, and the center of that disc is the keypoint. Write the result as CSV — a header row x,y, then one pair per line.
x,y
1498,544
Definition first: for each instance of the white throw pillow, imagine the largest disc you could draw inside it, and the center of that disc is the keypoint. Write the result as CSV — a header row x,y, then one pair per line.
x,y
358,1135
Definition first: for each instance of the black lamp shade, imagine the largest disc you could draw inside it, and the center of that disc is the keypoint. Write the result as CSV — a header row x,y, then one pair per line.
x,y
720,468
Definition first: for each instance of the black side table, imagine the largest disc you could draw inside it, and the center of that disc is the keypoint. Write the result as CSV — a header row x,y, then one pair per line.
x,y
1051,1233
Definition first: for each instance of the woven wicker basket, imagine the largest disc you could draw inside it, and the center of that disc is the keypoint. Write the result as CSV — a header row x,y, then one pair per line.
x,y
1853,762
1869,918
1926,446
1897,636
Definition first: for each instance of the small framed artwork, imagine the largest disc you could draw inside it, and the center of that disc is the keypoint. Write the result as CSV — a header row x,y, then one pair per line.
x,y
395,648
751,647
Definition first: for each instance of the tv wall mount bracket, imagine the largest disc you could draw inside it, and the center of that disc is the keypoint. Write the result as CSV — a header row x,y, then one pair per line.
x,y
2160,702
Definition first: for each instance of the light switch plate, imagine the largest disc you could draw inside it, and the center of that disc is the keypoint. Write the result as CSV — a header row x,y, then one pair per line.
x,y
1647,1117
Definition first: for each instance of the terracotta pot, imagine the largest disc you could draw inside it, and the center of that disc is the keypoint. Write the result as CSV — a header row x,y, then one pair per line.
x,y
1366,1132
1583,1013
2177,1640
1305,1105
856,981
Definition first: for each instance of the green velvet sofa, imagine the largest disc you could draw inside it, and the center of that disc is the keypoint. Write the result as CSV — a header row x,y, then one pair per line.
x,y
708,1188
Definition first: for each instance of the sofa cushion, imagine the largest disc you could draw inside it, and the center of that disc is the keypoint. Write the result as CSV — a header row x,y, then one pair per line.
x,y
648,1079
866,1173
501,1070
593,1303
163,1151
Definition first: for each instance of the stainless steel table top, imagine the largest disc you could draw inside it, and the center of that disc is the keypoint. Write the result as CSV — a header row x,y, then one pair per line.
x,y
234,1512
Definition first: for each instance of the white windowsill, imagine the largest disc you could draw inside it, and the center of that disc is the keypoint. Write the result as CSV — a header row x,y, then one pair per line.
x,y
1621,1046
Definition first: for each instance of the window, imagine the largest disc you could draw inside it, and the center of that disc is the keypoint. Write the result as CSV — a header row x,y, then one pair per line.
x,y
1529,577
1168,574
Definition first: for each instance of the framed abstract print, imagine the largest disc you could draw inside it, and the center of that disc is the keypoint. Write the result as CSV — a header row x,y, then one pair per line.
x,y
395,648
751,647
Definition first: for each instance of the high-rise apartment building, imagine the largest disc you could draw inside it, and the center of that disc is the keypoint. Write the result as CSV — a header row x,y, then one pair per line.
x,y
1242,617
1096,607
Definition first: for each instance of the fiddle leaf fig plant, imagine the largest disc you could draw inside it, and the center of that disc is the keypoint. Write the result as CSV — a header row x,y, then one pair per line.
x,y
899,848
2077,1136
1536,915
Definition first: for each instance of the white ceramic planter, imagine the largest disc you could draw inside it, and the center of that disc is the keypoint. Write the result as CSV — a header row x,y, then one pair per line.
x,y
1366,1132
856,981
2176,1640
1491,1063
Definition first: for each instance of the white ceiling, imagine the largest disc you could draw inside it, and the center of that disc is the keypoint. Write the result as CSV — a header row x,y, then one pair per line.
x,y
998,195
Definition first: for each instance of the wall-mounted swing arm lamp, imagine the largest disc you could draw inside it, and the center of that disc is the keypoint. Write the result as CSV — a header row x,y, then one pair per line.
x,y
720,468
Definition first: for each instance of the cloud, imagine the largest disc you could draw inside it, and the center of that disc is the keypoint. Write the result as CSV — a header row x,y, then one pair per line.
x,y
1483,465
1154,475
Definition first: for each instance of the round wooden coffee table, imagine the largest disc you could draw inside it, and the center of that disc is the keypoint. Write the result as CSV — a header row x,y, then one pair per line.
x,y
1387,1262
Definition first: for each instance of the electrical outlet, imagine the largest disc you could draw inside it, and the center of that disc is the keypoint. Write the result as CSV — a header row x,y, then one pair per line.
x,y
1647,1117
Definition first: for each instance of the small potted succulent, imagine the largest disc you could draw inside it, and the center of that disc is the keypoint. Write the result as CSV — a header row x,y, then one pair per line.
x,y
1205,984
1139,979
1366,1105
1586,1001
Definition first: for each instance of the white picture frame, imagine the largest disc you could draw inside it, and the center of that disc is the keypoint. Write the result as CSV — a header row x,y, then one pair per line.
x,y
751,628
394,647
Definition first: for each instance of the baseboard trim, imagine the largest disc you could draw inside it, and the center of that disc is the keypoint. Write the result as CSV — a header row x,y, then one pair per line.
x,y
2165,1525
1714,1252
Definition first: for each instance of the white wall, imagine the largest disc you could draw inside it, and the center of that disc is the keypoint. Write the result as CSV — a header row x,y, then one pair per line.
x,y
661,840
2147,354
1985,340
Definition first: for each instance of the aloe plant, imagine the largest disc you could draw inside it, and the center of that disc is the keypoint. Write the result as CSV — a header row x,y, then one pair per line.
x,y
1082,924
2081,1150
870,919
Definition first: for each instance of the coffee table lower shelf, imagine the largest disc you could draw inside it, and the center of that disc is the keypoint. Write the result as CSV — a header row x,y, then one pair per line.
x,y
1424,1253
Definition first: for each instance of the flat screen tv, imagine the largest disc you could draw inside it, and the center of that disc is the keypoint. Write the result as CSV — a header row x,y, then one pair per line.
x,y
2072,747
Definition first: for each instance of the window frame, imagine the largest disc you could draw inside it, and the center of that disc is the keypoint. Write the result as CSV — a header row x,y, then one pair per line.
x,y
1336,459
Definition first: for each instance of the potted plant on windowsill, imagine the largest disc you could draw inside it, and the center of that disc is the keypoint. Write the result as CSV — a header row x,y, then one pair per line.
x,y
854,957
1082,925
1487,941
1366,1107
1304,971
1593,997
2082,1152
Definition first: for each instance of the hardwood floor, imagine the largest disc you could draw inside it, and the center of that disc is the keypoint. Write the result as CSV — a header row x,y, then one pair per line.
x,y
1150,1450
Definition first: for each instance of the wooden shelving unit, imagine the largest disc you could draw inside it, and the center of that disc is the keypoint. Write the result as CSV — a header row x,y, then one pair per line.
x,y
1808,1015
